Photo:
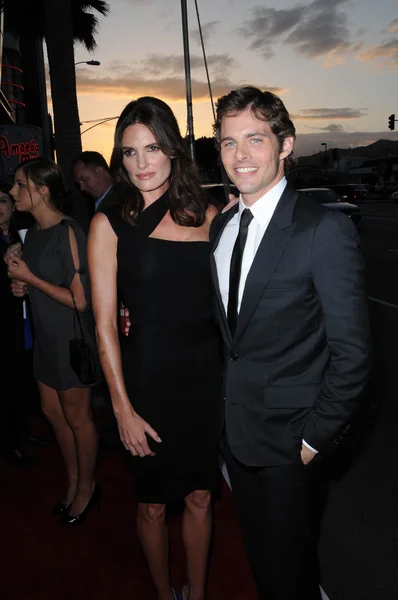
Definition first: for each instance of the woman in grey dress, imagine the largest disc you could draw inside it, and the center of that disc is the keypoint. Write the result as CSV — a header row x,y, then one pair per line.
x,y
53,269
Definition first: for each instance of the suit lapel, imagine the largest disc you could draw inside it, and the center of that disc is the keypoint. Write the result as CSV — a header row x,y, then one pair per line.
x,y
269,252
223,220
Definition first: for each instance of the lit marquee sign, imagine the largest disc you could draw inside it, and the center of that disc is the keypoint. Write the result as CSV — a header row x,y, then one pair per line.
x,y
18,143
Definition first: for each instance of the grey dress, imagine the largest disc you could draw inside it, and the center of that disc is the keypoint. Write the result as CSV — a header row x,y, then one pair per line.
x,y
48,255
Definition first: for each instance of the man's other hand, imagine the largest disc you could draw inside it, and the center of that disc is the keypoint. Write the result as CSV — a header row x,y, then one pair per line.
x,y
307,455
232,201
125,322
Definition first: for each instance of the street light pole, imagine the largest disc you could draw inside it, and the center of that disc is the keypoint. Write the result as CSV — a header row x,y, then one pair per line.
x,y
92,63
188,86
97,122
325,158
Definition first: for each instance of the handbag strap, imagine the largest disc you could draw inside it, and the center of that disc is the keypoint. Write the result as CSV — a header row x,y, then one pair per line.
x,y
78,317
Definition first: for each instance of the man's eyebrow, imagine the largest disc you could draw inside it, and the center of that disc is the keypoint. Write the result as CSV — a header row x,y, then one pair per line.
x,y
224,139
255,134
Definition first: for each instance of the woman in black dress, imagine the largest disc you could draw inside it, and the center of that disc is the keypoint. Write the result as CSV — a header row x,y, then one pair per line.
x,y
152,252
53,269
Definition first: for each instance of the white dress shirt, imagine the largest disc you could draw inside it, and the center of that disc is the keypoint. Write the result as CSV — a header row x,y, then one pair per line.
x,y
262,210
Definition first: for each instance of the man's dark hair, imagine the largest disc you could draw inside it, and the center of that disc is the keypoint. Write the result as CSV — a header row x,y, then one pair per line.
x,y
90,158
265,106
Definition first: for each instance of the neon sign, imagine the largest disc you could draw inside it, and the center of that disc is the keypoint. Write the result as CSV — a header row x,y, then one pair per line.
x,y
26,150
18,143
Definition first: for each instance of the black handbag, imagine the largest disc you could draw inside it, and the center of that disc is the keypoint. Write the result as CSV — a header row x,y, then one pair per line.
x,y
81,356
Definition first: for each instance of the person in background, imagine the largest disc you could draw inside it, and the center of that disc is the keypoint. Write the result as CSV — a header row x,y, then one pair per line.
x,y
13,403
91,174
53,268
165,377
292,308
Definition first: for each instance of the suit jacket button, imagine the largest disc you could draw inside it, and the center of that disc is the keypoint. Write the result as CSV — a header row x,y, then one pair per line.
x,y
234,356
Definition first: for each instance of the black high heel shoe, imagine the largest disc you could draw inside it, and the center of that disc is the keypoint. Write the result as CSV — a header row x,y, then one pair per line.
x,y
79,519
60,508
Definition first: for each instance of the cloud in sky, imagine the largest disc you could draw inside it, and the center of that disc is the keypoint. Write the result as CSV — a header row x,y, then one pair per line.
x,y
313,29
163,76
157,64
393,26
333,128
329,114
385,54
208,29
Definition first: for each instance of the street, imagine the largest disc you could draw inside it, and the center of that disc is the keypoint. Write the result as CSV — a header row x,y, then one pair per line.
x,y
359,543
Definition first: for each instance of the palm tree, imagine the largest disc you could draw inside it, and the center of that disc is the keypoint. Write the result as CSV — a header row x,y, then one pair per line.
x,y
60,23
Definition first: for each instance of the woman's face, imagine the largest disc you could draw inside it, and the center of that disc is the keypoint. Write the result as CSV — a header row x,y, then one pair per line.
x,y
148,168
26,196
6,209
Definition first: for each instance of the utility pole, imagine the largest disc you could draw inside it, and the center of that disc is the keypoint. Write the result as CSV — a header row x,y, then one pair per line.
x,y
325,159
188,85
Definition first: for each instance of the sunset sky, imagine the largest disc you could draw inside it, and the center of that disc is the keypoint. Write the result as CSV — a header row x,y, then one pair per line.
x,y
334,62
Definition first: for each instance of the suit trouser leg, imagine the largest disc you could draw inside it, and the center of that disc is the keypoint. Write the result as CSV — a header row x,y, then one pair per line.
x,y
273,510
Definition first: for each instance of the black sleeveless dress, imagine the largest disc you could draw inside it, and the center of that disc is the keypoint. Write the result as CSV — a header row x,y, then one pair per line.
x,y
171,358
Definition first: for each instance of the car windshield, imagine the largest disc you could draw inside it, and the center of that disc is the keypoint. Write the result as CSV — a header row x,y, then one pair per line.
x,y
325,195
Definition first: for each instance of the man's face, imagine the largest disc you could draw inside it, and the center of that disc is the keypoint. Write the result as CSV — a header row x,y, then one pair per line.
x,y
250,154
89,179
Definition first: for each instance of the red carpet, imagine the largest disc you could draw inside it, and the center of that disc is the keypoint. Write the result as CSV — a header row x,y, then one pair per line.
x,y
101,560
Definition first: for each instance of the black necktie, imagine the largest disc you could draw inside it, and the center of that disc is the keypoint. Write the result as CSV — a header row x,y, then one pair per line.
x,y
236,267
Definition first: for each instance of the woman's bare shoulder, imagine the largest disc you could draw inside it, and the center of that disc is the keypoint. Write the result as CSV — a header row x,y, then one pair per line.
x,y
211,212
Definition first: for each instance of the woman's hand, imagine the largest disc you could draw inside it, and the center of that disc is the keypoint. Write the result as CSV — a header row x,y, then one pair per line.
x,y
125,322
133,432
18,269
18,288
14,251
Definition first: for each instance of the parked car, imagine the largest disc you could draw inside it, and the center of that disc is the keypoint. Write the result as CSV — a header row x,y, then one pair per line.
x,y
390,189
331,200
387,189
350,192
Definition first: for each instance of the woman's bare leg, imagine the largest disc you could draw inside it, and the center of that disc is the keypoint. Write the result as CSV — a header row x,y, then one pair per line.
x,y
52,410
197,528
153,535
76,405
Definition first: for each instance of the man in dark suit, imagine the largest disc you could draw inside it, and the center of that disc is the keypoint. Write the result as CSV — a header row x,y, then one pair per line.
x,y
291,303
91,173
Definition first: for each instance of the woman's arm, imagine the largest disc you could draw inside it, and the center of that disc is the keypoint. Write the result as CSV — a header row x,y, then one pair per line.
x,y
19,270
102,246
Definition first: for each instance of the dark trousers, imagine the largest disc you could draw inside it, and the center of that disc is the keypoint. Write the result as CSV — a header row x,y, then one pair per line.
x,y
273,506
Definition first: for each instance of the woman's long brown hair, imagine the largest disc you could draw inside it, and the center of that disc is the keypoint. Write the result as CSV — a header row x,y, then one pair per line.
x,y
187,201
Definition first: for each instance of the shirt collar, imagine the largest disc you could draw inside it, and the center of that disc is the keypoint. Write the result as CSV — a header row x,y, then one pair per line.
x,y
264,207
99,200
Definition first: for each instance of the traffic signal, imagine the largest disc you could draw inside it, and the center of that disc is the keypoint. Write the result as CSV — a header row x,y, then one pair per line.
x,y
391,122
